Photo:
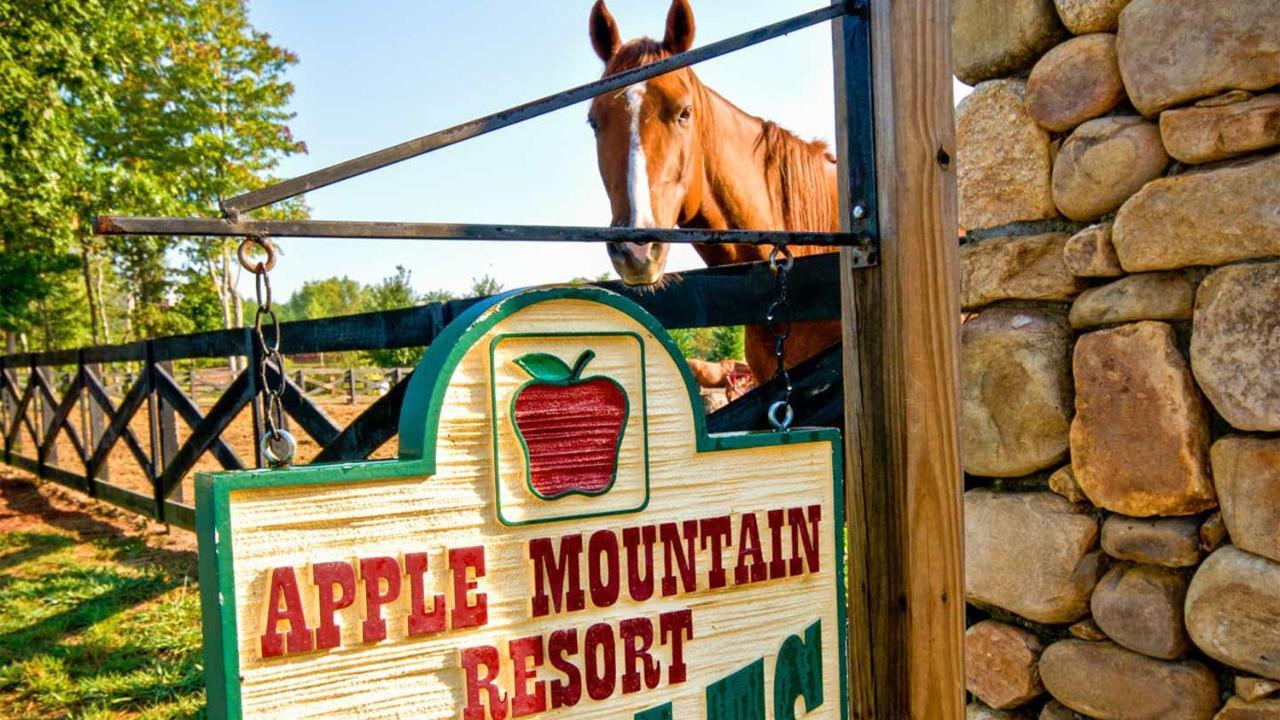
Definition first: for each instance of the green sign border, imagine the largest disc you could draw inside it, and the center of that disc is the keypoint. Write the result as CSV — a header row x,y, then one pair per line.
x,y
419,421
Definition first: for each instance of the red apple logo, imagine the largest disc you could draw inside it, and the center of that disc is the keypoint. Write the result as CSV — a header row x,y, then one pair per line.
x,y
570,426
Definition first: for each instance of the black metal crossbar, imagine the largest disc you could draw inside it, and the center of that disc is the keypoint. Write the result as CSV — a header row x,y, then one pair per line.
x,y
117,225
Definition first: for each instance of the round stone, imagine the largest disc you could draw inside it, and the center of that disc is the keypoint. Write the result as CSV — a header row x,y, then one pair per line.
x,y
1233,611
1103,163
1076,81
1016,399
1235,344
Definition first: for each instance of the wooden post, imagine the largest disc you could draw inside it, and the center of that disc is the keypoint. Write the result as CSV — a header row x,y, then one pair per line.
x,y
901,340
351,386
47,411
97,427
168,427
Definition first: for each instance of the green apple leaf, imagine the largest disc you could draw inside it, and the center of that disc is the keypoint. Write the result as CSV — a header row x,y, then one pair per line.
x,y
545,367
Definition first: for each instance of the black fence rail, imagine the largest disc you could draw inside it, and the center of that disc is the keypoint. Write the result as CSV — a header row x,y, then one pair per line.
x,y
58,395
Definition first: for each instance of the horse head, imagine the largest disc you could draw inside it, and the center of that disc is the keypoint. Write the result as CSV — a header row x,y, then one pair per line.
x,y
647,142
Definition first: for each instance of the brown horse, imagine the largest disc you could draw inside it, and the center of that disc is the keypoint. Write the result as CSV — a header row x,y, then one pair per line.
x,y
673,153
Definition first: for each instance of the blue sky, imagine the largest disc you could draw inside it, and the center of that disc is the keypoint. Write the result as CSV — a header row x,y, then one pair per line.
x,y
377,73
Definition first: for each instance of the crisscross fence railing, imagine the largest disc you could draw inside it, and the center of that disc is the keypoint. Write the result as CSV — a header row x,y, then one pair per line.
x,y
48,397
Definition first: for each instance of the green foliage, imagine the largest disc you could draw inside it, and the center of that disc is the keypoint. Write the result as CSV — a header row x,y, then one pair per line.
x,y
711,343
107,627
393,293
329,297
484,286
139,107
728,343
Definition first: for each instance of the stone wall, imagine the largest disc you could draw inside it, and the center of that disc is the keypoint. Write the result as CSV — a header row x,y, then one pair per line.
x,y
1119,195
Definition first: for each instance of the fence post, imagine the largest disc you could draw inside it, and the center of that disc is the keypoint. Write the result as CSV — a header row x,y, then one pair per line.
x,y
168,426
351,386
153,427
904,482
191,383
46,419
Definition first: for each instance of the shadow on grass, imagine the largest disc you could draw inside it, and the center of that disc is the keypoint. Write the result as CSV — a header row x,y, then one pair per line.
x,y
36,545
102,624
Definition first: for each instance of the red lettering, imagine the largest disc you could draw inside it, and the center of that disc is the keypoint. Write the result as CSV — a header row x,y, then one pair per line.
x,y
465,613
637,638
719,530
679,626
284,587
777,567
801,535
375,571
749,549
603,546
326,576
640,589
601,661
420,621
685,560
522,651
568,693
472,658
548,571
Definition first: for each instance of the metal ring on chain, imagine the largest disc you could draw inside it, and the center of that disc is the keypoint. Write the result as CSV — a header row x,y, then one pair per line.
x,y
258,326
784,423
262,290
252,265
784,251
278,449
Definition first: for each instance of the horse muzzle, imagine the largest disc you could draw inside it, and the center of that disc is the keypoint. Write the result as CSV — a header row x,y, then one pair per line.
x,y
638,263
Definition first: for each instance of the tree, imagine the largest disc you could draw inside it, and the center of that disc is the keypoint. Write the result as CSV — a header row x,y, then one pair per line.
x,y
484,286
393,293
329,297
139,107
728,343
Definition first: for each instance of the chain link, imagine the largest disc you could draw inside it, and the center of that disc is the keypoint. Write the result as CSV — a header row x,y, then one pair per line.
x,y
278,446
778,318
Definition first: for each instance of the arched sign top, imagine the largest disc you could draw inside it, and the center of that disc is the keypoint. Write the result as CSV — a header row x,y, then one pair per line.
x,y
559,537
420,413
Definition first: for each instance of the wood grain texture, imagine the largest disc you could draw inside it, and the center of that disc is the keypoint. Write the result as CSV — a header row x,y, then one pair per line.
x,y
901,371
734,626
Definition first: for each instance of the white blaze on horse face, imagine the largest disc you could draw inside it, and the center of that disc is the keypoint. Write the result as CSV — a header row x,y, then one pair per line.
x,y
637,167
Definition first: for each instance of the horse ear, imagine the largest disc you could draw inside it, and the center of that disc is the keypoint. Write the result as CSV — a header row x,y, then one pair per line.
x,y
604,31
679,27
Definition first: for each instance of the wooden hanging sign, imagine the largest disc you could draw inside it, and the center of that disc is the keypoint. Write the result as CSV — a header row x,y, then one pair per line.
x,y
560,537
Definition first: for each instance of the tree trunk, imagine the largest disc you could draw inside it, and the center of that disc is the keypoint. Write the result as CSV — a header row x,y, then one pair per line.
x,y
86,265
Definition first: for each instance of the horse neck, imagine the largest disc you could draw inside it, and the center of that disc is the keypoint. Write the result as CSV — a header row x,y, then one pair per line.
x,y
734,187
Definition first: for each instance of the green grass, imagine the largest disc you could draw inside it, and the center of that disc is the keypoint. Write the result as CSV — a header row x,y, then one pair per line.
x,y
104,627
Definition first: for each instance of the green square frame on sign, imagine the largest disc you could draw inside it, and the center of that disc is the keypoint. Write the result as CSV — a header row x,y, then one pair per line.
x,y
559,536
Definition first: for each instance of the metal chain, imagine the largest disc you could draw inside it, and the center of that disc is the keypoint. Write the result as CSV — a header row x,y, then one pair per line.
x,y
278,446
778,318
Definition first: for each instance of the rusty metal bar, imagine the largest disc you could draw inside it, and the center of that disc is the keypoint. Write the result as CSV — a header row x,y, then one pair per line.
x,y
511,116
111,225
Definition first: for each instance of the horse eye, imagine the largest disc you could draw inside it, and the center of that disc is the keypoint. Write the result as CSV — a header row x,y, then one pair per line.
x,y
686,114
594,125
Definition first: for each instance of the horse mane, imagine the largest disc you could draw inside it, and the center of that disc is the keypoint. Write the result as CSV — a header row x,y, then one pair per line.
x,y
795,172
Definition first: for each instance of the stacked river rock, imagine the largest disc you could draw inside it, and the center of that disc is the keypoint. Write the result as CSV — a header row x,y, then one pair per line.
x,y
1119,193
